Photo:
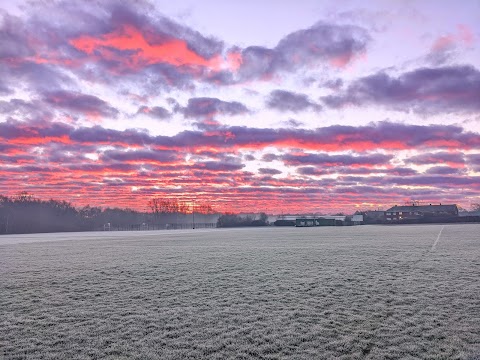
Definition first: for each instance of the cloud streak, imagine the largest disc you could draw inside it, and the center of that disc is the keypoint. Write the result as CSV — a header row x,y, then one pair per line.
x,y
424,90
113,102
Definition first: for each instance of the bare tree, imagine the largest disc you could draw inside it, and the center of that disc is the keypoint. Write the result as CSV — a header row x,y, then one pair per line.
x,y
203,208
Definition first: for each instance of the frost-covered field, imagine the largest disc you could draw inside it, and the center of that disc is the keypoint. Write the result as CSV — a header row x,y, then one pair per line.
x,y
373,292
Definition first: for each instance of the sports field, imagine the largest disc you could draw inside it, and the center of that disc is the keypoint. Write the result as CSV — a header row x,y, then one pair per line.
x,y
363,292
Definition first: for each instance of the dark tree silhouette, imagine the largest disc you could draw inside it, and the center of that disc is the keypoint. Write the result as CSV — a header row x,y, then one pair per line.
x,y
233,220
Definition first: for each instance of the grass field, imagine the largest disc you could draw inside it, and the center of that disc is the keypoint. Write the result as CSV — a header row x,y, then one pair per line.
x,y
364,292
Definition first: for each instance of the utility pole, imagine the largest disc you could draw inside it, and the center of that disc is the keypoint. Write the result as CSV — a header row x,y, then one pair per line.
x,y
193,213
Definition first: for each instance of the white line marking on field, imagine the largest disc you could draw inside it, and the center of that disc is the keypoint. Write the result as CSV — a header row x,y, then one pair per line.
x,y
438,238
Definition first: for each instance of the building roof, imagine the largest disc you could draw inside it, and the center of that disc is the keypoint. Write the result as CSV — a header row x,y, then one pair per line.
x,y
425,208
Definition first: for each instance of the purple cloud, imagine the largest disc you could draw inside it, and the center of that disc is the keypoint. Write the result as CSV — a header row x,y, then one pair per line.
x,y
267,171
438,157
156,112
163,156
207,107
289,101
80,103
424,90
321,43
336,160
443,170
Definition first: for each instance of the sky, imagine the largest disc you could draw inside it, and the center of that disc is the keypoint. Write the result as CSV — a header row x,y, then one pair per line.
x,y
275,106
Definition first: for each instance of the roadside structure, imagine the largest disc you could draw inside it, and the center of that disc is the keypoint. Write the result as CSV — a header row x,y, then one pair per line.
x,y
326,220
413,212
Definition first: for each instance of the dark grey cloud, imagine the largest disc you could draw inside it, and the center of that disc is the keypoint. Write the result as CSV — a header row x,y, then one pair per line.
x,y
270,157
313,170
326,159
13,42
99,134
5,90
30,111
38,77
209,107
10,130
162,156
268,171
322,42
438,157
80,103
333,84
402,171
424,90
474,159
156,112
101,167
437,180
219,166
443,170
290,101
292,123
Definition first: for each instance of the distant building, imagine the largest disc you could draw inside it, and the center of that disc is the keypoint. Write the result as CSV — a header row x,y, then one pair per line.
x,y
374,217
357,219
402,213
328,220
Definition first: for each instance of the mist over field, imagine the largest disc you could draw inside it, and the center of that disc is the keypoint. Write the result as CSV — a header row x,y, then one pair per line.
x,y
364,292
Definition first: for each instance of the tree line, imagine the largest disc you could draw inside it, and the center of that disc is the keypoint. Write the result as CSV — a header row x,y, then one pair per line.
x,y
234,220
24,213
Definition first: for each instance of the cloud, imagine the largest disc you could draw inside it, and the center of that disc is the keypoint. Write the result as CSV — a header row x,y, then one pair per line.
x,y
136,49
446,47
4,90
81,103
209,107
349,170
156,112
383,135
30,111
425,90
311,170
267,171
339,44
443,170
102,42
438,180
474,159
322,43
141,156
270,157
326,159
219,166
290,101
452,159
12,37
292,123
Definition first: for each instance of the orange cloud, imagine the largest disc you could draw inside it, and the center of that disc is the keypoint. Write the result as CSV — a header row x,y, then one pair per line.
x,y
128,38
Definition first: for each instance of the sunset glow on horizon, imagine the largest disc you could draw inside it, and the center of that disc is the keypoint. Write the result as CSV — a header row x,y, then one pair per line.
x,y
362,107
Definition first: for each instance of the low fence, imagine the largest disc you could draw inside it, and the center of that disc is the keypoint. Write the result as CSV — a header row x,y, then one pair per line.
x,y
147,227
